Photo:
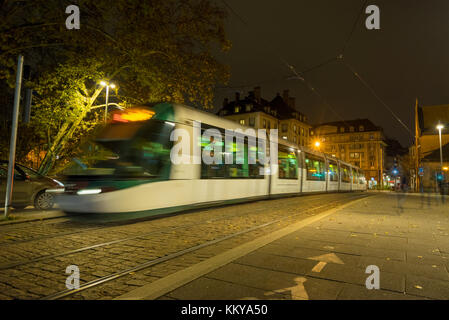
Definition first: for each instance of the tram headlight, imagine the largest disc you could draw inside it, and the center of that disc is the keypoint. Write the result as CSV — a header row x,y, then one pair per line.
x,y
88,191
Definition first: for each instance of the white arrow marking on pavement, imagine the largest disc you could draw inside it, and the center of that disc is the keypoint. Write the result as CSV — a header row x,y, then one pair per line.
x,y
297,292
325,259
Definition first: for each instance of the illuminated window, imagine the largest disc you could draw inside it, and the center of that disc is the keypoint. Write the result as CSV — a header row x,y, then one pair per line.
x,y
217,169
248,107
345,174
361,128
355,176
242,122
351,129
333,171
245,162
237,109
315,168
288,164
362,179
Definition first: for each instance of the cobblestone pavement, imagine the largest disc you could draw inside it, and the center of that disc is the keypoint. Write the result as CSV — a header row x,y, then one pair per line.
x,y
34,255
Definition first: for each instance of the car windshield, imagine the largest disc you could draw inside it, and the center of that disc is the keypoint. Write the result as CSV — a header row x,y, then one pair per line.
x,y
29,172
126,150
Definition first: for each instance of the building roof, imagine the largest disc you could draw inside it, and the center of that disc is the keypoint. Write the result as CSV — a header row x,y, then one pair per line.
x,y
430,116
278,107
434,156
334,127
257,105
284,110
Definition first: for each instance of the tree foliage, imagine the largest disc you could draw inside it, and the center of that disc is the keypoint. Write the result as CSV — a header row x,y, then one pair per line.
x,y
155,50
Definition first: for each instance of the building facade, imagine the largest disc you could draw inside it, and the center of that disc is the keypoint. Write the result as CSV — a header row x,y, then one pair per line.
x,y
359,142
279,113
425,154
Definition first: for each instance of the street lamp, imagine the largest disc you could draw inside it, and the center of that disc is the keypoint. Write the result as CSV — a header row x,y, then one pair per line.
x,y
107,85
440,127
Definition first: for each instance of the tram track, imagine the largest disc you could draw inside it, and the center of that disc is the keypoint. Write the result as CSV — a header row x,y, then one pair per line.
x,y
117,241
81,227
171,256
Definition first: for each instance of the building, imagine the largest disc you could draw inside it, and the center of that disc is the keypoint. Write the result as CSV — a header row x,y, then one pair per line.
x,y
279,113
359,142
425,153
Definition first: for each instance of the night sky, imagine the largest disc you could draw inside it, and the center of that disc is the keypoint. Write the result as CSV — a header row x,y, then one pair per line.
x,y
407,58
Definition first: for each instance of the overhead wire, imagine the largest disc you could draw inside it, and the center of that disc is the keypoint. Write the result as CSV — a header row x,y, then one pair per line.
x,y
354,26
358,76
290,67
340,57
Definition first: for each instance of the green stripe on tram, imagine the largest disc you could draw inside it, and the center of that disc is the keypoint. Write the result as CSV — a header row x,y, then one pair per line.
x,y
164,112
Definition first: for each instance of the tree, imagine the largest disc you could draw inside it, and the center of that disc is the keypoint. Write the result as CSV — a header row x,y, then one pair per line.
x,y
157,50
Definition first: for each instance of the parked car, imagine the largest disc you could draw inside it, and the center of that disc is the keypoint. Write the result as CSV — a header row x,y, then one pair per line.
x,y
29,187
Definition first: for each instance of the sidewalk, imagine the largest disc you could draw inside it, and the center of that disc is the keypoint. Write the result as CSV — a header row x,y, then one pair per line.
x,y
406,236
29,214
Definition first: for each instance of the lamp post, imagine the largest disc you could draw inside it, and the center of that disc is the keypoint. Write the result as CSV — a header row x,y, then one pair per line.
x,y
107,85
440,127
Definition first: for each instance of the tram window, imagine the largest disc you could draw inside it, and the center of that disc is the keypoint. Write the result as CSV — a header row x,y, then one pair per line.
x,y
256,169
355,176
315,168
213,170
150,152
239,167
288,164
345,175
333,171
361,177
243,168
247,169
127,150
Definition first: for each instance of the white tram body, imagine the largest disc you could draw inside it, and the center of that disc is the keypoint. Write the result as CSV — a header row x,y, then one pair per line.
x,y
149,181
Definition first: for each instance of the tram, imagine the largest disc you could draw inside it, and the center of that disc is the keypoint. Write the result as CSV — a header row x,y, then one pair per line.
x,y
127,167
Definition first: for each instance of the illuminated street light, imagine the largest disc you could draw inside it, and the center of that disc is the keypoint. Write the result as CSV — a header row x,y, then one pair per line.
x,y
441,127
107,85
317,144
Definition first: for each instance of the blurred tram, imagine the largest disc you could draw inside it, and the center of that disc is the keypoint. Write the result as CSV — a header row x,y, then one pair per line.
x,y
127,167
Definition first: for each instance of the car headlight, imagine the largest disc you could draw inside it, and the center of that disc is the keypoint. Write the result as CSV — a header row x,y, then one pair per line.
x,y
88,191
59,190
